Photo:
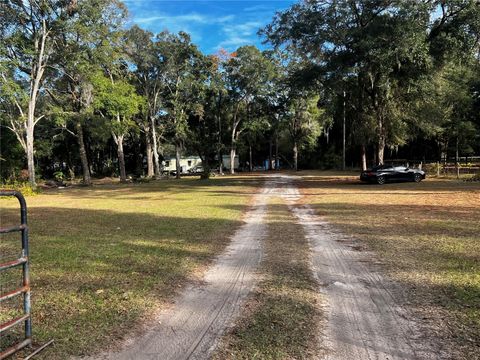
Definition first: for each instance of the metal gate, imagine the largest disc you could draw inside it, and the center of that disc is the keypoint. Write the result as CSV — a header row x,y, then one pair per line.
x,y
23,290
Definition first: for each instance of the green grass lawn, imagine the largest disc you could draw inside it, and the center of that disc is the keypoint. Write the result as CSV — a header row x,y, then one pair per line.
x,y
426,235
104,259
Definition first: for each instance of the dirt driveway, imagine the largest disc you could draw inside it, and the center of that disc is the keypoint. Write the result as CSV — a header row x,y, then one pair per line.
x,y
363,317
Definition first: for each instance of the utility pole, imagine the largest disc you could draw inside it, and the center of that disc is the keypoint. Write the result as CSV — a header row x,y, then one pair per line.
x,y
343,153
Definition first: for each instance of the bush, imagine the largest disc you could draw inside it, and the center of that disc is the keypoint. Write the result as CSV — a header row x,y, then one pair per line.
x,y
475,177
24,187
23,176
331,159
59,176
432,168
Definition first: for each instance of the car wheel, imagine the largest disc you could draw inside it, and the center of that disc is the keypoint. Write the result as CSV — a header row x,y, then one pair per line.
x,y
417,177
381,180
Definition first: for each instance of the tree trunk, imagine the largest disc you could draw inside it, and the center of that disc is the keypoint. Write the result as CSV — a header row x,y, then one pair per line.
x,y
457,168
206,168
87,180
381,141
295,156
149,153
220,156
364,157
220,163
277,160
381,150
343,134
36,75
270,147
234,139
250,156
232,153
156,158
121,159
232,160
30,158
177,160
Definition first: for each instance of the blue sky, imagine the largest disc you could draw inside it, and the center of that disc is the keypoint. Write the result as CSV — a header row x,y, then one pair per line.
x,y
212,24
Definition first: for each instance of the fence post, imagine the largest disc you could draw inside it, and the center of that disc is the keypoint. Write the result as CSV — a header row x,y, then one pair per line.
x,y
438,169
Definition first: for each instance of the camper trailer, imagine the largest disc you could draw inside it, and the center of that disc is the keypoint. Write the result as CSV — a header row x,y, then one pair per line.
x,y
189,164
186,163
226,162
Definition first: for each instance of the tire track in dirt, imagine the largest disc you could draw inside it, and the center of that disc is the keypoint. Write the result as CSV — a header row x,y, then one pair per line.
x,y
364,319
202,313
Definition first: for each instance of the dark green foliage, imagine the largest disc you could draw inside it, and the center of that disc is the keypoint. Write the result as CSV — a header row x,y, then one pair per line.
x,y
381,57
403,74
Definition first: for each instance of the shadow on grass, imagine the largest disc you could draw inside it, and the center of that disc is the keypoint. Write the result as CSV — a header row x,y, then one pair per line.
x,y
168,188
96,274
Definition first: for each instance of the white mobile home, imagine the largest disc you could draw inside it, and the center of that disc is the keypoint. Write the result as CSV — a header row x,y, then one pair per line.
x,y
226,162
186,163
189,162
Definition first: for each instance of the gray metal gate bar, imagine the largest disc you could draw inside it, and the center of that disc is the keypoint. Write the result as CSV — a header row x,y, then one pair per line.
x,y
25,289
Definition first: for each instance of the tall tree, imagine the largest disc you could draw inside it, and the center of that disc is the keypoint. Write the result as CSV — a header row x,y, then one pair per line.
x,y
27,30
117,100
220,99
79,52
249,75
303,122
147,60
180,61
208,115
381,44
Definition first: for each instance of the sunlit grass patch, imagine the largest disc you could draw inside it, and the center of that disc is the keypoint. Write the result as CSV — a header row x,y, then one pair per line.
x,y
103,259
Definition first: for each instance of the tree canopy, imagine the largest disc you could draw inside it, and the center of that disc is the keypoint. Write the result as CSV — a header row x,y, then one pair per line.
x,y
84,94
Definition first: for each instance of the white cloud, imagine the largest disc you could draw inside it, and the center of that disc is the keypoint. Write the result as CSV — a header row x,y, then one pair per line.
x,y
211,26
246,29
260,7
237,35
191,23
234,42
183,19
224,19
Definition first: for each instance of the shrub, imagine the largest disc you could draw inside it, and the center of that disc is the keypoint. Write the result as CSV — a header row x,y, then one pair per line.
x,y
432,168
23,176
24,187
475,177
59,176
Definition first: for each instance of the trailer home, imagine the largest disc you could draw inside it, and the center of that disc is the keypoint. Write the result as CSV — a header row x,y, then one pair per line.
x,y
190,163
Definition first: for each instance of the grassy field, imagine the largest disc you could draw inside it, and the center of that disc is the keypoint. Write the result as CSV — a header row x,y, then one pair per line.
x,y
426,235
281,320
103,259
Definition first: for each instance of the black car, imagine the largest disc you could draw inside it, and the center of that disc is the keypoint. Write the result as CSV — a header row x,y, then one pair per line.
x,y
386,173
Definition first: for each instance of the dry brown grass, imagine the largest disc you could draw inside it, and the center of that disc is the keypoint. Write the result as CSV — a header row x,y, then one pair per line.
x,y
281,320
427,235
